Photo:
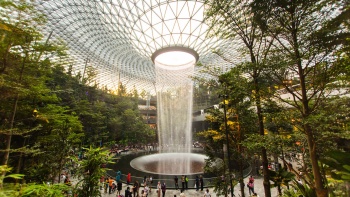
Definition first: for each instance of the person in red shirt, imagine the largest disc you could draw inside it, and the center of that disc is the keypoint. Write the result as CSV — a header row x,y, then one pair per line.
x,y
251,178
128,178
250,185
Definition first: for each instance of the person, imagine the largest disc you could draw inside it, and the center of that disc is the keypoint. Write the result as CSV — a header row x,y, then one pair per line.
x,y
145,180
222,178
183,183
176,180
117,178
114,187
207,194
135,188
128,179
250,186
251,178
201,182
143,194
110,185
150,182
120,174
186,182
106,184
63,176
197,183
146,190
299,181
119,187
163,189
67,181
128,192
159,187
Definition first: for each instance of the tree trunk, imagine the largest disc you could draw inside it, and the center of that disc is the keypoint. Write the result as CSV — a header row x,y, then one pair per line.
x,y
321,191
19,164
279,190
14,110
266,181
241,185
9,135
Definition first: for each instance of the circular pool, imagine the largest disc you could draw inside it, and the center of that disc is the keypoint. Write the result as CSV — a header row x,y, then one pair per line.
x,y
170,163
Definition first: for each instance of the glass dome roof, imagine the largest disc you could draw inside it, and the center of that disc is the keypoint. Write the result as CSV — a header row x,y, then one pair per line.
x,y
118,37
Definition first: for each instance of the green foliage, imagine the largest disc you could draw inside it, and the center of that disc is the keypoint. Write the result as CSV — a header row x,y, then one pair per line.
x,y
39,190
47,114
280,178
300,189
339,164
90,171
8,189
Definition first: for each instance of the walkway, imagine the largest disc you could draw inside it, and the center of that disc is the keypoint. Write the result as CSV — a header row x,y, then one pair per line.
x,y
258,186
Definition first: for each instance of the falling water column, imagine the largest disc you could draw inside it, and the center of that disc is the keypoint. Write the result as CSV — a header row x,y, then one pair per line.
x,y
174,109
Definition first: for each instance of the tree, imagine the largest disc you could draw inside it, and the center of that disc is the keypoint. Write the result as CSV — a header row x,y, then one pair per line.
x,y
281,177
91,171
233,19
303,56
239,117
23,67
58,138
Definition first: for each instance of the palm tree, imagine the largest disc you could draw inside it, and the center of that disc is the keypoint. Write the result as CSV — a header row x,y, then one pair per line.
x,y
280,177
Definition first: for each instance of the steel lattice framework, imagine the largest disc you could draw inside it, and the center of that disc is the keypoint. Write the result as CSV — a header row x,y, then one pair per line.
x,y
118,37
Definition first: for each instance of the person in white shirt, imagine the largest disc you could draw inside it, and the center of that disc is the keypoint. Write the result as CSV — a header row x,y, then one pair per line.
x,y
207,194
63,177
146,189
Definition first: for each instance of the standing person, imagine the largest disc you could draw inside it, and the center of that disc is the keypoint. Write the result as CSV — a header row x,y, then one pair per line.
x,y
159,188
251,178
150,183
117,178
120,174
201,182
135,188
146,189
63,176
183,183
163,189
186,182
207,194
197,183
110,185
250,186
145,180
128,178
143,194
119,187
128,192
176,180
106,184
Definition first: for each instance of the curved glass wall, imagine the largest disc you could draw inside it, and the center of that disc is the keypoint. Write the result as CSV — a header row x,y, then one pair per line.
x,y
118,37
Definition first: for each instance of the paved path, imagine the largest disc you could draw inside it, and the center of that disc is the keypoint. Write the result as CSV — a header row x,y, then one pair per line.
x,y
258,187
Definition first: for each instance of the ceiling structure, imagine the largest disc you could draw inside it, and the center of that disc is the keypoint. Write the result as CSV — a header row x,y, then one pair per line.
x,y
119,37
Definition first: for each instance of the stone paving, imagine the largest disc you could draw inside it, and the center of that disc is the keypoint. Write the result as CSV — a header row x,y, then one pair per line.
x,y
258,187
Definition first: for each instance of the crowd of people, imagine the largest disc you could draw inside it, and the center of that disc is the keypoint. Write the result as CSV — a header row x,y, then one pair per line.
x,y
114,185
